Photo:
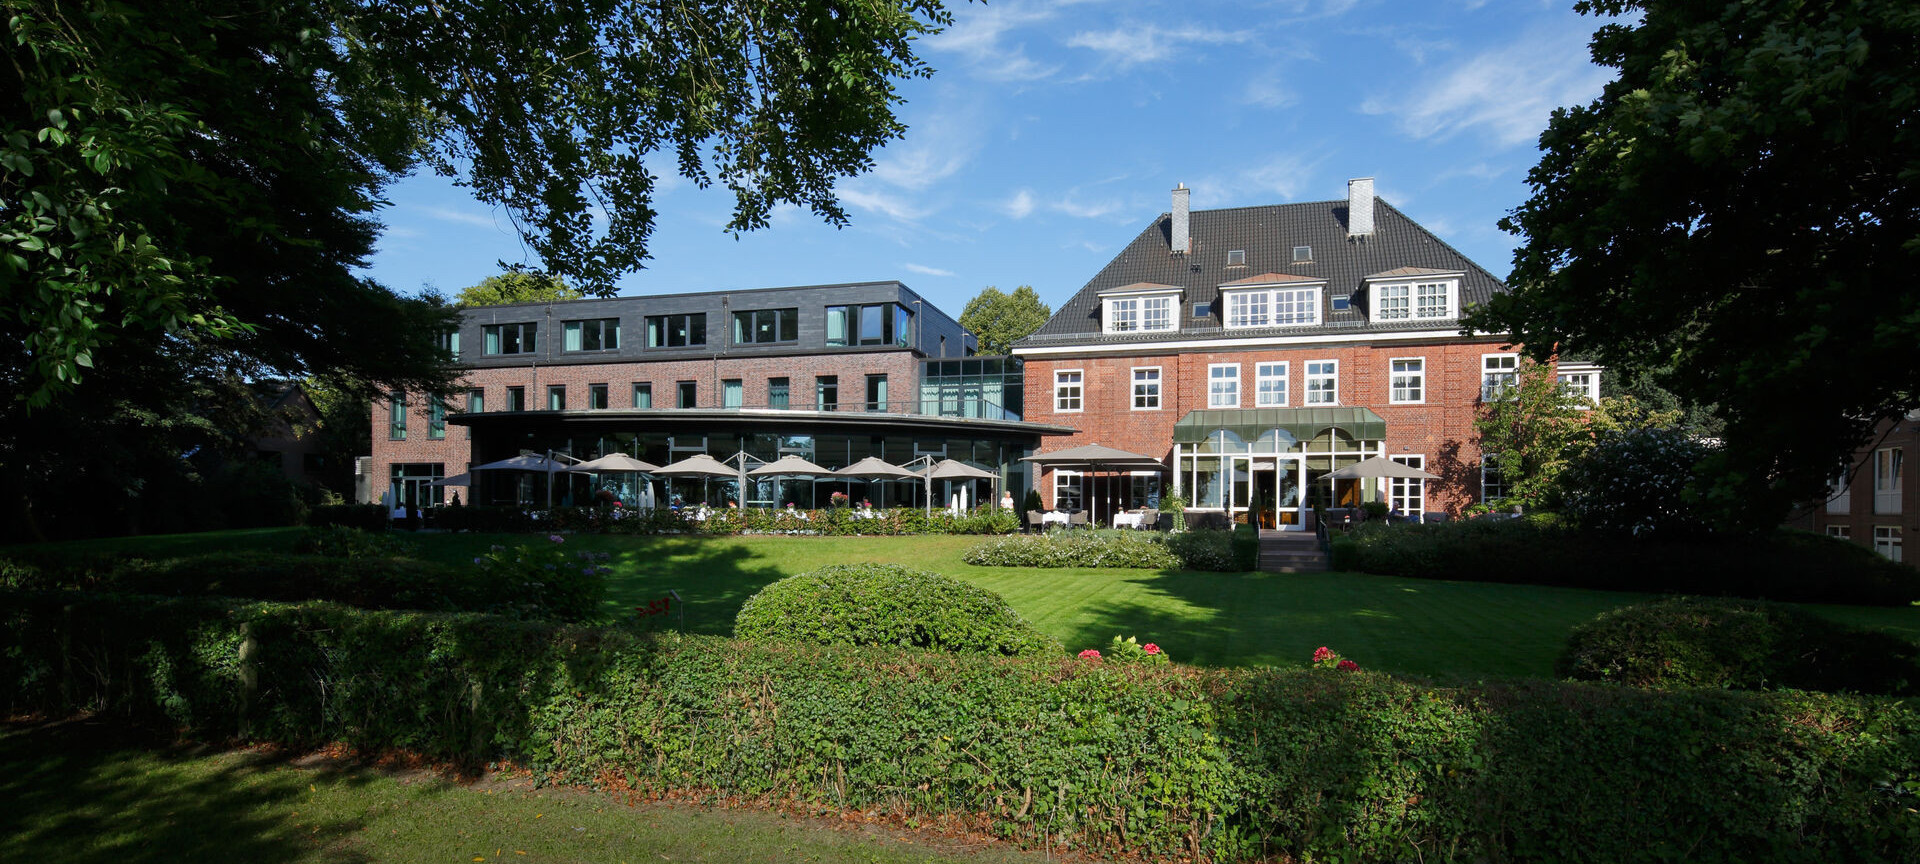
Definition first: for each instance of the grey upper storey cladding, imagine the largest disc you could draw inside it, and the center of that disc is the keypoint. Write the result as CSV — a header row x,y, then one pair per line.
x,y
1266,239
930,332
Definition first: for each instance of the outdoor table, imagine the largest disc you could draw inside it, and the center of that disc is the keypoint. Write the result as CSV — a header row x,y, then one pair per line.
x,y
1128,520
1053,517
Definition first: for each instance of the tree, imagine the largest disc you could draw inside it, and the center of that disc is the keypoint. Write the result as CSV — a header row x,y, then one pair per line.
x,y
201,168
1529,431
1003,319
1741,209
516,286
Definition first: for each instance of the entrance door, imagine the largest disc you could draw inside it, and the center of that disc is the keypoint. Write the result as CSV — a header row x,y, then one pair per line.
x,y
1288,502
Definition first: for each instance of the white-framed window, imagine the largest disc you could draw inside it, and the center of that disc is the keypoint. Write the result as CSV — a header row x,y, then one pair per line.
x,y
1886,541
1887,468
1843,532
1407,383
1156,313
1433,300
1067,390
1581,379
1840,493
1248,309
1498,374
1066,490
1493,484
1272,307
1146,388
1408,495
1270,385
1139,309
1223,385
1323,382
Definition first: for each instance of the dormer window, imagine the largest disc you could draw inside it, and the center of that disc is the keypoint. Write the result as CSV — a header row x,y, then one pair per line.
x,y
1302,254
1272,300
1414,294
1139,308
1237,258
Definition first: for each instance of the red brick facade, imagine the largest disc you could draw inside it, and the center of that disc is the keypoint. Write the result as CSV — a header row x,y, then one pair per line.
x,y
1438,427
1880,506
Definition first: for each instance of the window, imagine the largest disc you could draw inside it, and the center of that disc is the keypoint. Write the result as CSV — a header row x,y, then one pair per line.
x,y
1125,315
643,394
1408,495
1302,254
872,324
1580,384
1840,493
597,397
1146,389
436,418
677,331
476,401
1066,490
1273,308
1067,390
599,334
1323,382
1887,466
1203,310
1422,301
1408,381
777,393
1886,541
1270,385
764,326
837,317
876,392
732,393
397,417
449,341
1843,532
557,397
1498,374
1134,311
516,398
687,396
1156,313
1493,483
509,338
1236,257
1223,385
1341,303
826,392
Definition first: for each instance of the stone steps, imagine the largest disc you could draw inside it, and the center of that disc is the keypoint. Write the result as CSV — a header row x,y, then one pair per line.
x,y
1290,552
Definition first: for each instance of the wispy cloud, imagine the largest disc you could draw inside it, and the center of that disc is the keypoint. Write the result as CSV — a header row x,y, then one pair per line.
x,y
1130,45
1080,208
1020,206
924,270
889,204
977,37
463,217
1269,92
1506,93
934,149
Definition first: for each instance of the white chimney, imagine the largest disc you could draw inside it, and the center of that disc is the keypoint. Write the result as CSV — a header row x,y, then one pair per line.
x,y
1178,239
1360,207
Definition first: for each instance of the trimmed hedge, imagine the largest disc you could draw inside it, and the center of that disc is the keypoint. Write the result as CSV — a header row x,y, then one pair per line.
x,y
1743,644
366,517
1793,566
1169,761
366,582
887,604
1234,551
830,522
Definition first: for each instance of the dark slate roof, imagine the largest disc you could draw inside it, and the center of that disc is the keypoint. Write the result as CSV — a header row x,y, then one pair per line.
x,y
1267,235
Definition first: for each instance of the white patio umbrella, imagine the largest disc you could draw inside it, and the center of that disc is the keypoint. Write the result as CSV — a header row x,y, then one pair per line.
x,y
790,466
532,462
1380,466
1093,458
617,462
952,469
700,465
875,468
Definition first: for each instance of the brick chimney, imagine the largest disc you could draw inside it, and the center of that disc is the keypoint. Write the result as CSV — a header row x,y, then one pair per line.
x,y
1360,207
1178,241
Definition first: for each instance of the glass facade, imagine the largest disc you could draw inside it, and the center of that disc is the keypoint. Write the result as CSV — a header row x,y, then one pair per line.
x,y
1276,470
985,387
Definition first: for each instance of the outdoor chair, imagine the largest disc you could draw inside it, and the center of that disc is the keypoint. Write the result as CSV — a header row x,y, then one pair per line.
x,y
1150,520
1036,521
1435,518
1077,519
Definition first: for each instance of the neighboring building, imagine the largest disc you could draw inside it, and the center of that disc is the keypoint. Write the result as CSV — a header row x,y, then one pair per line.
x,y
1873,503
1257,349
291,442
832,373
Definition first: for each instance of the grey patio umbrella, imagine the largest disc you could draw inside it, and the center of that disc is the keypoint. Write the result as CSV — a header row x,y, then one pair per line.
x,y
1379,466
952,469
617,462
1096,457
699,465
790,466
531,462
876,468
455,480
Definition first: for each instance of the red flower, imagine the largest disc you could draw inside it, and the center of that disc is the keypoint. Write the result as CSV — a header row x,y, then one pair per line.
x,y
1152,648
1322,653
1090,654
1349,665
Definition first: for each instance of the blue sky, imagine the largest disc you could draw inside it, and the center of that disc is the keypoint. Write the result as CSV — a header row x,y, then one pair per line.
x,y
1052,133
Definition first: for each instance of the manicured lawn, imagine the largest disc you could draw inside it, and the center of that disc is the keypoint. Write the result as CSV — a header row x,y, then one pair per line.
x,y
1409,626
81,794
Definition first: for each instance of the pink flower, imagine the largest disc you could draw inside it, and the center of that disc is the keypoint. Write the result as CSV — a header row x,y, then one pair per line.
x,y
1152,648
1322,653
556,538
1090,654
1349,665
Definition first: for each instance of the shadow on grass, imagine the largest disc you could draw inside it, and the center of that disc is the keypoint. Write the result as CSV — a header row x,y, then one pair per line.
x,y
89,793
713,578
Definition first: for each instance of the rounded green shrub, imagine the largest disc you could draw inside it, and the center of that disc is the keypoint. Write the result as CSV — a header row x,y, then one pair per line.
x,y
886,604
1737,644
